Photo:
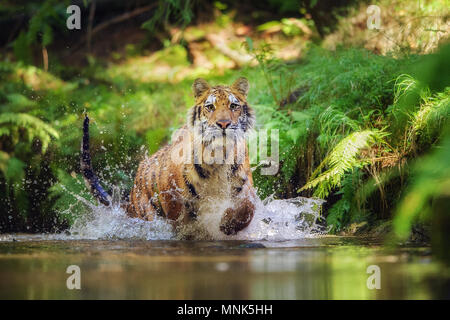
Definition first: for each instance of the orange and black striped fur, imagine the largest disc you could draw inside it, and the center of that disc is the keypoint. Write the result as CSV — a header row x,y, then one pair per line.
x,y
176,189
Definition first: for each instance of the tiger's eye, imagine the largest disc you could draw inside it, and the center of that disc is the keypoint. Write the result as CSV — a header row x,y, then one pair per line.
x,y
209,107
234,106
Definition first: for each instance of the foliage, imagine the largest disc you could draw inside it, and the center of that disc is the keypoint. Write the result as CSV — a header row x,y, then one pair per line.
x,y
365,117
273,69
431,180
45,17
40,131
180,9
343,157
337,94
352,123
18,126
349,207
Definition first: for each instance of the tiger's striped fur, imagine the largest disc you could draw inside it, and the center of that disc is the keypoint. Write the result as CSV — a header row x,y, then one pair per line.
x,y
176,189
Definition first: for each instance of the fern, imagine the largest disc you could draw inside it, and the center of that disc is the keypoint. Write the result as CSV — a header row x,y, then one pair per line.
x,y
11,123
20,126
343,158
348,208
433,113
50,14
63,196
17,103
408,93
335,124
181,10
406,87
431,179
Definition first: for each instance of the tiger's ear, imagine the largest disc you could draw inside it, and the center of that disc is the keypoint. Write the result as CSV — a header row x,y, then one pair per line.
x,y
199,87
241,85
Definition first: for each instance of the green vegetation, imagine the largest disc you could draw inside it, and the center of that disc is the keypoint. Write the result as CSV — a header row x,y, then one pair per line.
x,y
367,132
351,134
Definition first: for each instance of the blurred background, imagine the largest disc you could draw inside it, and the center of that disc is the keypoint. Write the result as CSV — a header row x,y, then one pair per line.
x,y
359,94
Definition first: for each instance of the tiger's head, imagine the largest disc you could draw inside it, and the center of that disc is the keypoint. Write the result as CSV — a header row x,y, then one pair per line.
x,y
221,110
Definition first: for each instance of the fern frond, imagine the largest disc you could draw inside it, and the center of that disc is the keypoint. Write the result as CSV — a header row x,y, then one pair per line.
x,y
343,158
405,85
335,123
430,180
432,113
332,119
408,94
35,127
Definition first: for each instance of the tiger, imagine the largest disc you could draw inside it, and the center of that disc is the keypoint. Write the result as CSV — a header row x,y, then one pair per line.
x,y
215,164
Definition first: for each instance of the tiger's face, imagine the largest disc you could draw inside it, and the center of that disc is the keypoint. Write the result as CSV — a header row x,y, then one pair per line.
x,y
221,111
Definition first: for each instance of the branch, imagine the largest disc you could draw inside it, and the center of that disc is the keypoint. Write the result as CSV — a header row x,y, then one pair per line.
x,y
91,21
103,25
123,17
219,43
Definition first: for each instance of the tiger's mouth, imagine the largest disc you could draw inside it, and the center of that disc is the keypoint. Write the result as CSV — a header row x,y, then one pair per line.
x,y
222,137
221,146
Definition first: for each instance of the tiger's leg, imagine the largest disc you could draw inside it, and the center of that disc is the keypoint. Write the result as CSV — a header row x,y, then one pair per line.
x,y
142,196
240,216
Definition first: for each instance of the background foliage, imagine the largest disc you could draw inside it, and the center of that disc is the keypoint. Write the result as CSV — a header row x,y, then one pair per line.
x,y
362,115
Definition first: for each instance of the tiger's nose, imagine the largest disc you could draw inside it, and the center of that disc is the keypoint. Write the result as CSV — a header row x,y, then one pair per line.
x,y
223,123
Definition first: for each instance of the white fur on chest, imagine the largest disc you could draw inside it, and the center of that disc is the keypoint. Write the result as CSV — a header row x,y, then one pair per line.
x,y
217,186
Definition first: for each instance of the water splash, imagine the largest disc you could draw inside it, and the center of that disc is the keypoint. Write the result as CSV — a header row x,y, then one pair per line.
x,y
274,220
112,222
287,219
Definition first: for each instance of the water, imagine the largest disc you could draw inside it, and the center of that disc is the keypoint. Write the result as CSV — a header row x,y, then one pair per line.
x,y
283,254
288,219
313,268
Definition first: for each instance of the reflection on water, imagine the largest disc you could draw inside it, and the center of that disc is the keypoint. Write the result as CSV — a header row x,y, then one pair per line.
x,y
321,268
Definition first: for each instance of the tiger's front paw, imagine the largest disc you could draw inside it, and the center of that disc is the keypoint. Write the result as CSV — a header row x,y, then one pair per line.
x,y
235,220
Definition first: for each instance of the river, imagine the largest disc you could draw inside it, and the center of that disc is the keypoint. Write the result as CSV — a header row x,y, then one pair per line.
x,y
325,267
